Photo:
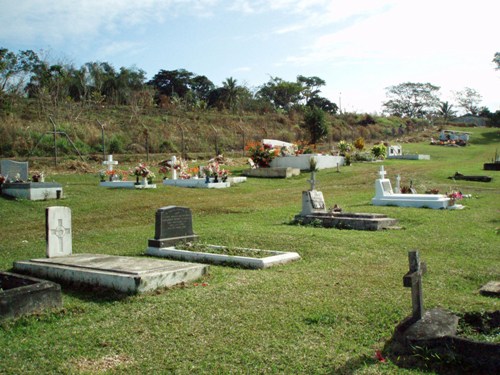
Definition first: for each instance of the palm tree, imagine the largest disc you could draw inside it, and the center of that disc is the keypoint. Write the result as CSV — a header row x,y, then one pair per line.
x,y
231,92
446,111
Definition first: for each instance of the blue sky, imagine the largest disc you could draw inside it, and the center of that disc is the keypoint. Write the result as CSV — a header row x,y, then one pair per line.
x,y
359,47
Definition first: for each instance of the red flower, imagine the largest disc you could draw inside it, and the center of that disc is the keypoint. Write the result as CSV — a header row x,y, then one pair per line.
x,y
379,356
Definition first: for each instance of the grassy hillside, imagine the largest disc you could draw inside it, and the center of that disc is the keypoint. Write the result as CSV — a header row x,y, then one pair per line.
x,y
327,313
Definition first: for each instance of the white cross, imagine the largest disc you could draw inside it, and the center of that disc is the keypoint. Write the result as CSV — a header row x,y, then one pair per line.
x,y
110,162
174,171
60,232
382,173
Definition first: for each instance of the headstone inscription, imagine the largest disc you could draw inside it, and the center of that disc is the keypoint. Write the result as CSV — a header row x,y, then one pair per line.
x,y
413,280
58,231
10,169
173,224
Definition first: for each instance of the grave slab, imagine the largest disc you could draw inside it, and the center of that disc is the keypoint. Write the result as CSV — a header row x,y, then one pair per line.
x,y
22,295
303,161
126,185
125,274
199,183
34,191
272,172
491,289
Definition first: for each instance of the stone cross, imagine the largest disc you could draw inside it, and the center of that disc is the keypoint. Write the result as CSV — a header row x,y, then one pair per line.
x,y
382,173
58,231
174,171
413,280
312,181
109,163
398,184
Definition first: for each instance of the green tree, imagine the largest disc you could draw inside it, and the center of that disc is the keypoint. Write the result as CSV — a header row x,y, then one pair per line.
x,y
468,99
446,111
315,123
412,99
311,86
15,69
282,94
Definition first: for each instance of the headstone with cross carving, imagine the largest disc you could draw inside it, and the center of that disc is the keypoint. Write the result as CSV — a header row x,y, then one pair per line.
x,y
413,280
58,231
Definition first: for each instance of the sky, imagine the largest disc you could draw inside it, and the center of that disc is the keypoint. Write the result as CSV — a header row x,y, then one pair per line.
x,y
359,47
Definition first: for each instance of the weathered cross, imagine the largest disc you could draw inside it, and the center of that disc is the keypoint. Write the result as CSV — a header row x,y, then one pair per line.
x,y
312,181
109,163
60,231
413,280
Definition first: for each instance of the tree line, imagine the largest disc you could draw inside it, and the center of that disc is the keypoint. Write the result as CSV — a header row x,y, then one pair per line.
x,y
26,74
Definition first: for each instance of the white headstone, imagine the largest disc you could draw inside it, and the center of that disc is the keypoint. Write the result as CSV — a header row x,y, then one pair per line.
x,y
58,231
174,171
110,162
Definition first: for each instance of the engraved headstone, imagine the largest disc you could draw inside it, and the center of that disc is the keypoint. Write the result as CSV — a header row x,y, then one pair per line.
x,y
58,231
10,168
173,224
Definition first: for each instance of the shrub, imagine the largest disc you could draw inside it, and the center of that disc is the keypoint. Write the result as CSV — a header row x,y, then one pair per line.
x,y
379,151
359,143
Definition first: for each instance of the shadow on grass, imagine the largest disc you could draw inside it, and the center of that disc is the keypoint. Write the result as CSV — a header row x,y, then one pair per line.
x,y
487,138
353,365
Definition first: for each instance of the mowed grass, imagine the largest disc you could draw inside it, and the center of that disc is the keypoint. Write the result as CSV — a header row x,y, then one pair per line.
x,y
327,313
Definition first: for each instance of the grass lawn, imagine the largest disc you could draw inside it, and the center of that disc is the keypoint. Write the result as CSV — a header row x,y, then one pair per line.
x,y
327,313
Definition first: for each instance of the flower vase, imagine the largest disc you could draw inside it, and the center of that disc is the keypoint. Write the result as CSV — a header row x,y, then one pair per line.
x,y
216,179
224,179
144,181
137,180
207,179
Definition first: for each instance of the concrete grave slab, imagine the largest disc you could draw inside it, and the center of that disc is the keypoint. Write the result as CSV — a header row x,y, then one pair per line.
x,y
33,191
125,274
22,295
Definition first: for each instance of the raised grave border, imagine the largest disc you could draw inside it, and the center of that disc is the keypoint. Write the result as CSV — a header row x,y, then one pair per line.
x,y
23,295
274,257
34,191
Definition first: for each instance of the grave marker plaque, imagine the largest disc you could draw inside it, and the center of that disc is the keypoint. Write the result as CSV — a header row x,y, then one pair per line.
x,y
58,231
173,224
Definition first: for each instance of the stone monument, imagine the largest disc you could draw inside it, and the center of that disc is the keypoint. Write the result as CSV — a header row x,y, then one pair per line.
x,y
173,224
314,210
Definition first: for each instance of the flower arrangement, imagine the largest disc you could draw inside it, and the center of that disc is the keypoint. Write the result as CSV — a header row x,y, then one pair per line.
x,y
214,170
151,176
38,177
2,179
455,195
141,170
261,154
302,147
166,166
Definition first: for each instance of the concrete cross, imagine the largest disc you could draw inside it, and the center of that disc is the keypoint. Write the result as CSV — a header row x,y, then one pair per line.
x,y
413,280
398,184
312,181
382,173
110,162
174,171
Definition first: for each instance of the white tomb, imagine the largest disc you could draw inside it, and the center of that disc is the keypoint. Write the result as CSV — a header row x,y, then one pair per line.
x,y
385,196
193,182
303,161
18,186
118,184
124,274
396,152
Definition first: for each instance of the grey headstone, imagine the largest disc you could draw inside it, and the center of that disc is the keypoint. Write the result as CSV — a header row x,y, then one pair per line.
x,y
10,168
173,224
58,231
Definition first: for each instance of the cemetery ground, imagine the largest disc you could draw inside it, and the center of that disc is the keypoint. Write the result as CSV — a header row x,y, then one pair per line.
x,y
327,313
